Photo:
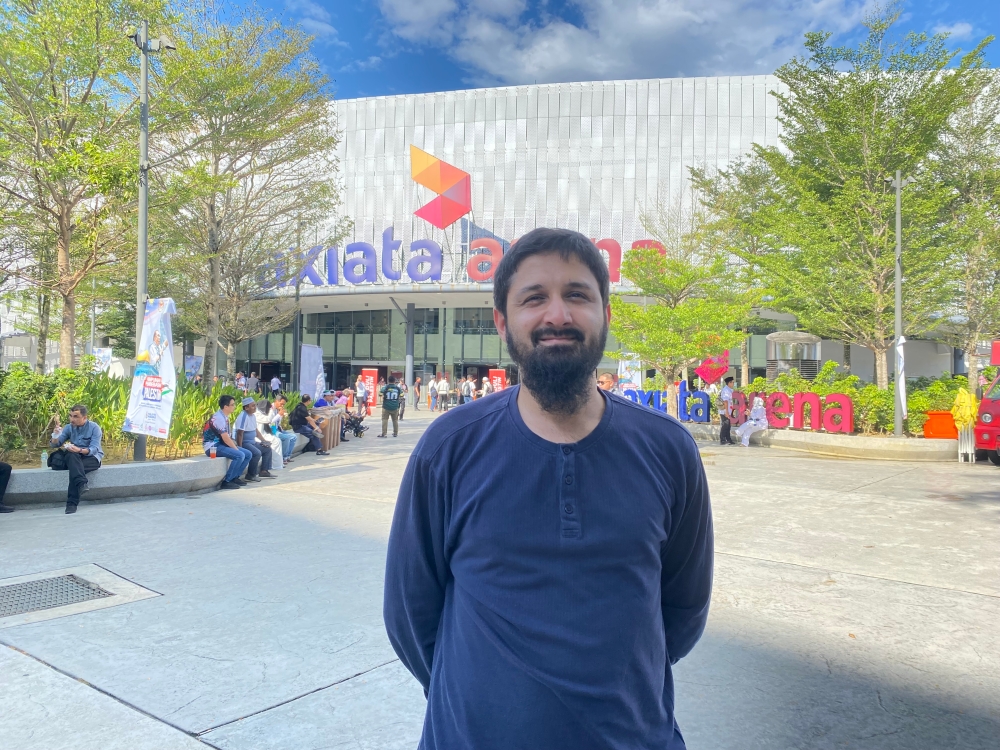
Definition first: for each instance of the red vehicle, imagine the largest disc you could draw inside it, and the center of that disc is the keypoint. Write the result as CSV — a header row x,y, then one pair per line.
x,y
988,423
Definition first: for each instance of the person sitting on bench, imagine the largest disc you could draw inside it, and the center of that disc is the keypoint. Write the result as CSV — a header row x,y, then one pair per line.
x,y
80,453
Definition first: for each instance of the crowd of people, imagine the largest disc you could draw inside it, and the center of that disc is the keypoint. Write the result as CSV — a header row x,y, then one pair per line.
x,y
443,395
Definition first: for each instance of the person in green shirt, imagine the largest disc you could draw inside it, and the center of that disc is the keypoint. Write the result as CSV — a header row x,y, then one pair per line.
x,y
392,394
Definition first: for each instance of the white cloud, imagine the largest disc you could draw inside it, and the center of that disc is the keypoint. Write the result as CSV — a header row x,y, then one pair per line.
x,y
960,30
500,43
372,63
315,19
430,21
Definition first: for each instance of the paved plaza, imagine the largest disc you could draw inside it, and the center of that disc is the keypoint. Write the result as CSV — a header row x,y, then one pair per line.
x,y
856,605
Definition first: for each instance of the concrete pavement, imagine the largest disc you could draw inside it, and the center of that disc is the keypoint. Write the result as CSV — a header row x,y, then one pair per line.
x,y
856,605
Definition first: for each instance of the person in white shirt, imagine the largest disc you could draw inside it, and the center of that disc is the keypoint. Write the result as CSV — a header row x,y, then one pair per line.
x,y
275,386
444,393
756,423
361,396
249,436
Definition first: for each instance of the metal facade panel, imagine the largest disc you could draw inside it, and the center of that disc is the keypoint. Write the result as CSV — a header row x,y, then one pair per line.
x,y
587,155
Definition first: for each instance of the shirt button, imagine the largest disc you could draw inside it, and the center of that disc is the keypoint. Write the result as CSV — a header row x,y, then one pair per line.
x,y
569,479
568,508
566,449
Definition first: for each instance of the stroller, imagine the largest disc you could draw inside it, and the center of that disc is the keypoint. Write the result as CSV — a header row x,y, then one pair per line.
x,y
352,423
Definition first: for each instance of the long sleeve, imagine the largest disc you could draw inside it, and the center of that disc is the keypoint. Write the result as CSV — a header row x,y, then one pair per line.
x,y
416,571
687,560
95,442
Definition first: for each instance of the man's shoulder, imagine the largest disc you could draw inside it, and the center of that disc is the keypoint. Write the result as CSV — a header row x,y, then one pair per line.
x,y
649,421
468,423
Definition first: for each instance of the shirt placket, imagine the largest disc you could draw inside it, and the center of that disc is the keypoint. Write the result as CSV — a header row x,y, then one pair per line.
x,y
569,515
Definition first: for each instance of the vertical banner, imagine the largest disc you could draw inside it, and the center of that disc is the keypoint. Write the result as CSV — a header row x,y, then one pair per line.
x,y
151,402
630,375
498,379
901,370
370,377
192,364
103,363
312,379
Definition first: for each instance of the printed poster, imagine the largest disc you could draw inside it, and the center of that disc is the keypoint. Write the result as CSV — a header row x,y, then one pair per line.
x,y
312,379
498,379
192,364
151,403
630,374
103,363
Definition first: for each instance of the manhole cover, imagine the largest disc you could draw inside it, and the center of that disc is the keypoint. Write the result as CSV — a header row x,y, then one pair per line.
x,y
46,593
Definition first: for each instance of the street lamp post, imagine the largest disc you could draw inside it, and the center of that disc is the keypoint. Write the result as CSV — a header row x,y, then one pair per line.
x,y
145,45
898,184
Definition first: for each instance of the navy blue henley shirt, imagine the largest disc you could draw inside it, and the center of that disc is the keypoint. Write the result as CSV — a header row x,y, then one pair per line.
x,y
540,592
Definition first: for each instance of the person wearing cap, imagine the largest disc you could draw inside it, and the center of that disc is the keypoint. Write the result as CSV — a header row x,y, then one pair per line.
x,y
325,400
248,435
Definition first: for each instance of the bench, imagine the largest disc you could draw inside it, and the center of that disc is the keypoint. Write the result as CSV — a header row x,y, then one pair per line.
x,y
117,481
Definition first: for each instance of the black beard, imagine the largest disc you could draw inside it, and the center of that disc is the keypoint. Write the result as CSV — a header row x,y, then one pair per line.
x,y
559,377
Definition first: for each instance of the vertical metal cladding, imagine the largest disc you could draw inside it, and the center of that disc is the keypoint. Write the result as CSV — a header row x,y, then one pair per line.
x,y
586,156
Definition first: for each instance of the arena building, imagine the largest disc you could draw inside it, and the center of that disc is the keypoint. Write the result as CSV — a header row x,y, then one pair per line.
x,y
438,185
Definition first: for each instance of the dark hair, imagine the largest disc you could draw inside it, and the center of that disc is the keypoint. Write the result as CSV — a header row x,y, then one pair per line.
x,y
392,378
225,400
566,242
80,408
728,380
306,398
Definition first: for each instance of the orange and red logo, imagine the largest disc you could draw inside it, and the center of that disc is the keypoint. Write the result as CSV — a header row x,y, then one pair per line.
x,y
452,185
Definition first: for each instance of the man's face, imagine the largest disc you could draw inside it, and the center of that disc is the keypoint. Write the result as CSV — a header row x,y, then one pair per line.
x,y
228,408
76,419
556,327
250,408
605,383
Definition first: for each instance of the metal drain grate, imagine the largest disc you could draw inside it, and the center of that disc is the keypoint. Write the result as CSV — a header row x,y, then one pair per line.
x,y
46,593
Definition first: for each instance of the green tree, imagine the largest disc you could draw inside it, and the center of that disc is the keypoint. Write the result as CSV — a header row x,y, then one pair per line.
x,y
251,160
67,137
968,164
735,200
850,118
684,307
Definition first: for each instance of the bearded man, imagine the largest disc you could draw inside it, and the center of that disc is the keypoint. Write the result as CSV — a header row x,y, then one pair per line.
x,y
550,555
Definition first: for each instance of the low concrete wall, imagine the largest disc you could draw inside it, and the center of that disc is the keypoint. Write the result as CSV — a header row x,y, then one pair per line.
x,y
842,446
159,478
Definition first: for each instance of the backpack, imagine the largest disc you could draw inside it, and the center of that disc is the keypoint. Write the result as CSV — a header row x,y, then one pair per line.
x,y
209,433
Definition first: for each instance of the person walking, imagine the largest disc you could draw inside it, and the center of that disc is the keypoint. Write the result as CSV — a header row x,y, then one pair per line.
x,y
253,383
216,435
392,394
80,454
444,393
726,412
434,394
533,610
275,387
402,398
468,391
416,395
487,387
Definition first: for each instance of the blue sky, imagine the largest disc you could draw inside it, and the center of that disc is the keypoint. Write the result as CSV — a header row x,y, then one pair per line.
x,y
377,47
